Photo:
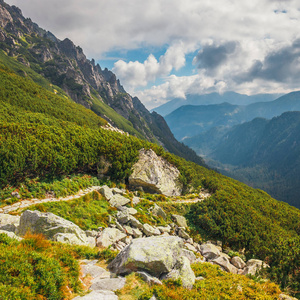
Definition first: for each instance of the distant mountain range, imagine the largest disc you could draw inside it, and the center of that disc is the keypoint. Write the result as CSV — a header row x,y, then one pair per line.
x,y
262,153
213,98
188,121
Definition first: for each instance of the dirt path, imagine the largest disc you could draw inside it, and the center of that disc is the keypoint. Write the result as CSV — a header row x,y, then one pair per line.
x,y
26,203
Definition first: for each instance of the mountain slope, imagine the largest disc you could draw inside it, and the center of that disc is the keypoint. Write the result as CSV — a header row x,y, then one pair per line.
x,y
262,153
66,66
213,98
188,121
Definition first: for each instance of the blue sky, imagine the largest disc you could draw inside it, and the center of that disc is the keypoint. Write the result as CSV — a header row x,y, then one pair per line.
x,y
161,49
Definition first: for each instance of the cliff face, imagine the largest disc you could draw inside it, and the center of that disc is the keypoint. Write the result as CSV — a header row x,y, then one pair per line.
x,y
66,66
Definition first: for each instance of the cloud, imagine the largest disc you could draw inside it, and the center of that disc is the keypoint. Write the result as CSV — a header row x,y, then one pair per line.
x,y
210,57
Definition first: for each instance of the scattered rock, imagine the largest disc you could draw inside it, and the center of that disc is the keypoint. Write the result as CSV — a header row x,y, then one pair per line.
x,y
128,229
190,255
136,223
181,233
52,227
286,297
155,255
11,235
123,216
137,233
209,251
135,200
9,222
163,229
190,247
15,195
109,236
91,233
159,212
155,174
149,279
199,278
238,262
110,284
98,295
118,200
224,262
106,192
117,191
180,221
253,266
95,271
149,230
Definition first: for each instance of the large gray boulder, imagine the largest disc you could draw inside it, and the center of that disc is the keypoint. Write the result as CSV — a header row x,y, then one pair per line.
x,y
209,251
155,175
52,227
110,236
253,266
154,255
9,222
238,262
224,262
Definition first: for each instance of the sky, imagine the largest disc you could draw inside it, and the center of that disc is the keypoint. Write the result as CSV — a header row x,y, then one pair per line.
x,y
163,49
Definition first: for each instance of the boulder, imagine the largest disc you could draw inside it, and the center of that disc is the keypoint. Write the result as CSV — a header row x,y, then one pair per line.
x,y
224,262
253,266
286,297
137,233
99,295
155,175
94,271
238,262
135,223
109,236
183,234
117,191
52,227
180,221
163,229
190,247
123,216
190,255
109,284
159,212
154,255
149,230
118,200
149,279
106,192
9,222
209,251
11,235
72,239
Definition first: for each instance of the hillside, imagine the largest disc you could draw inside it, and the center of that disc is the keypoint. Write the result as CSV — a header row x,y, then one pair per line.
x,y
188,121
267,157
213,98
65,65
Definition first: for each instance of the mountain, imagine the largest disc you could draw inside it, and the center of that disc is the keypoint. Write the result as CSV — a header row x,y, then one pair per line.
x,y
213,98
188,121
66,67
263,153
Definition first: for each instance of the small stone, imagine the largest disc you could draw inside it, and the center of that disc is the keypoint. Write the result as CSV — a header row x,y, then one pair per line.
x,y
149,230
163,229
128,230
180,220
118,200
159,212
149,279
209,251
106,192
15,195
238,262
135,200
190,247
110,284
183,234
117,191
137,233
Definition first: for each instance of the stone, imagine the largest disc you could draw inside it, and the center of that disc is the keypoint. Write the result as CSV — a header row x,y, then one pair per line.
x,y
209,251
109,236
94,271
15,195
110,284
163,229
106,192
200,278
286,297
155,175
123,216
136,200
190,255
149,279
154,255
9,222
11,235
135,223
120,227
253,266
238,262
128,230
183,234
137,233
180,221
190,247
117,191
149,230
184,272
118,200
52,227
153,298
224,262
98,295
91,233
158,211
132,211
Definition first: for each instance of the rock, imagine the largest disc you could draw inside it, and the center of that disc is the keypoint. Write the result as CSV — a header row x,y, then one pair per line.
x,y
91,233
123,216
118,200
72,239
190,247
159,212
180,221
153,298
184,272
128,230
181,233
163,229
98,295
200,278
149,279
94,271
253,266
154,255
109,236
120,227
238,262
52,227
117,191
106,192
137,233
190,255
110,284
155,175
149,230
132,211
286,297
135,223
224,262
15,195
11,235
9,222
209,251
135,200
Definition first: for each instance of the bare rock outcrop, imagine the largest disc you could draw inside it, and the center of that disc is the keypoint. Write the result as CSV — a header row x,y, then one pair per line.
x,y
155,175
